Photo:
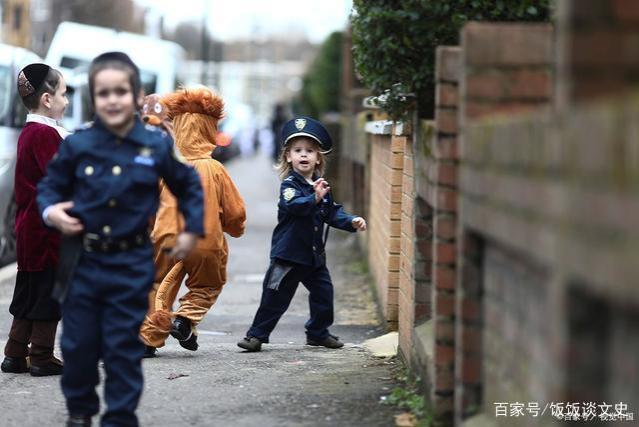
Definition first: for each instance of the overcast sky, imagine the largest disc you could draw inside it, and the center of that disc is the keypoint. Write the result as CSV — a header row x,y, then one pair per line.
x,y
232,19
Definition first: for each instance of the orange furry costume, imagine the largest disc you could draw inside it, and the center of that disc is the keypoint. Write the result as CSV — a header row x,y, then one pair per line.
x,y
195,114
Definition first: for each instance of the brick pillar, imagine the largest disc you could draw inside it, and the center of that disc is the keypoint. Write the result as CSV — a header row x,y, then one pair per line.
x,y
505,69
468,353
442,178
596,48
387,159
406,297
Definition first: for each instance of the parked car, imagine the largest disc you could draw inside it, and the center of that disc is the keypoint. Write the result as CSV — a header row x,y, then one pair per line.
x,y
12,117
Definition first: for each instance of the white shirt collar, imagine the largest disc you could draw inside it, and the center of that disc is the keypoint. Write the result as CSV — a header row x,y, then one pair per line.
x,y
37,118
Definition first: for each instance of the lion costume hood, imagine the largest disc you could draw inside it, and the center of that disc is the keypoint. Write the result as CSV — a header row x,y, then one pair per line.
x,y
195,114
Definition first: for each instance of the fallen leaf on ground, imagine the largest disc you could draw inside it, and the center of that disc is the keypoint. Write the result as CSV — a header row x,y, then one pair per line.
x,y
405,420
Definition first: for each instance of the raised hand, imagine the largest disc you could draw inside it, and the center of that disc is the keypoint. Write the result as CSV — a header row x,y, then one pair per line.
x,y
321,188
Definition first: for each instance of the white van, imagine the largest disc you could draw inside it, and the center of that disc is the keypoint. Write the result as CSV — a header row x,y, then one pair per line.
x,y
12,117
75,45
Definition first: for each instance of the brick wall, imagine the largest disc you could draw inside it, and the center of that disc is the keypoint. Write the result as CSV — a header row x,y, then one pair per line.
x,y
547,298
416,241
506,69
387,159
524,198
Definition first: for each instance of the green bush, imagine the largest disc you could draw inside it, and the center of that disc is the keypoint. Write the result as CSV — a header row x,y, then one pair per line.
x,y
321,84
394,43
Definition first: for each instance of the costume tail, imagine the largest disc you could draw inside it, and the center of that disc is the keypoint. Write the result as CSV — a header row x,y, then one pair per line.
x,y
162,317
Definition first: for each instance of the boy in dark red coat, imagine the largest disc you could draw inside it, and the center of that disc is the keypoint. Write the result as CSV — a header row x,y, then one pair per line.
x,y
35,313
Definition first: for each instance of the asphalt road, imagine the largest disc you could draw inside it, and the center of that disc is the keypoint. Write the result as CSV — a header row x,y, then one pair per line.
x,y
287,384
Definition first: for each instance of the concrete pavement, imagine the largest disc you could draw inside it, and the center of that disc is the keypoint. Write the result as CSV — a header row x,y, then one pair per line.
x,y
287,384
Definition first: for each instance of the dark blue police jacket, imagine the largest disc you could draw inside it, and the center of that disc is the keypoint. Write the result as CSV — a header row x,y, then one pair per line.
x,y
298,236
113,182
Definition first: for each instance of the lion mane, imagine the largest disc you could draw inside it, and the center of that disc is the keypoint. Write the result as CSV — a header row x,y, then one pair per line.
x,y
197,101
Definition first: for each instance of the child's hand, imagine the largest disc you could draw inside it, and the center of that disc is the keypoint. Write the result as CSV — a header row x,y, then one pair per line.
x,y
359,223
321,188
58,217
184,244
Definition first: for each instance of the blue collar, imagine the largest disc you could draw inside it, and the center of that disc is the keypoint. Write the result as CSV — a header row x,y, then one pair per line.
x,y
298,177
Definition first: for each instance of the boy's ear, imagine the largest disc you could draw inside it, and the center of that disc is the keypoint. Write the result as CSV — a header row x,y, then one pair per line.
x,y
45,100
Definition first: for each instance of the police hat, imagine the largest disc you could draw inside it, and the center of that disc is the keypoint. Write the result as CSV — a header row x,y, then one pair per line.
x,y
306,126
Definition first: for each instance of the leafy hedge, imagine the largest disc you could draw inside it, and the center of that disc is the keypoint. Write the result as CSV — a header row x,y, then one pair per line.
x,y
321,83
394,42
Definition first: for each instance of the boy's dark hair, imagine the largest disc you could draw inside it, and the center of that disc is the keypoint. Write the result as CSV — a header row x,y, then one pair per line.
x,y
115,61
49,85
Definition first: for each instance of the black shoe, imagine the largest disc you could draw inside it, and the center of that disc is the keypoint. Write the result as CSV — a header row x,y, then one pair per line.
x,y
181,328
191,343
15,365
52,367
149,351
330,341
79,421
250,344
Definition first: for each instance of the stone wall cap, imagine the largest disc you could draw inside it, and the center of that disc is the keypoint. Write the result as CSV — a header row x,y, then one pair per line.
x,y
379,127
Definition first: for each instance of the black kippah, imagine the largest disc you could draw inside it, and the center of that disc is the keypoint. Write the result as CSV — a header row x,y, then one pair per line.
x,y
31,78
116,56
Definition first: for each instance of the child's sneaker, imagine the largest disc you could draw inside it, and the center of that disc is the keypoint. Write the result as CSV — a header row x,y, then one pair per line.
x,y
181,328
250,344
190,344
330,341
79,421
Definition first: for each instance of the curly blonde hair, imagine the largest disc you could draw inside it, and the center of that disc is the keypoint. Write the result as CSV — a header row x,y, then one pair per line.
x,y
284,168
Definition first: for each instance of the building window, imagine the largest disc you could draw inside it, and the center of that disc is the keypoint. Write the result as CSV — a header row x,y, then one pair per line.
x,y
17,17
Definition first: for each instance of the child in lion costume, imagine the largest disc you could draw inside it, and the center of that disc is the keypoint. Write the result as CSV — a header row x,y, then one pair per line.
x,y
194,114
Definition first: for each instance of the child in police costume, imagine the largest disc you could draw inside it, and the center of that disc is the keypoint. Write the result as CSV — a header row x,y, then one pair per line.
x,y
297,247
193,115
103,187
35,314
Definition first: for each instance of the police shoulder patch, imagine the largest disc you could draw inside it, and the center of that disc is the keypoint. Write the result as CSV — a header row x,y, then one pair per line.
x,y
288,193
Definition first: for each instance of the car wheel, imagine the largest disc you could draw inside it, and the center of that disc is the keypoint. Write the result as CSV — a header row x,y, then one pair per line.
x,y
8,238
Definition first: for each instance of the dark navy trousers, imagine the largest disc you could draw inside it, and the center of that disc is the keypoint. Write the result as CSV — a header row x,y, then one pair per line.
x,y
274,303
101,317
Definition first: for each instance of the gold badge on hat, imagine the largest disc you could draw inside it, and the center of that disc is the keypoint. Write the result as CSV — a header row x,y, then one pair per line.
x,y
289,193
300,123
145,152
